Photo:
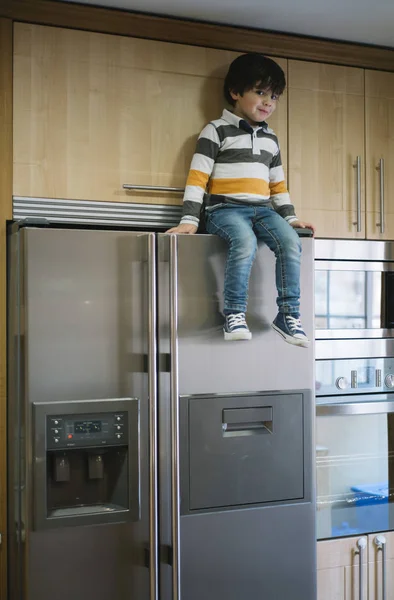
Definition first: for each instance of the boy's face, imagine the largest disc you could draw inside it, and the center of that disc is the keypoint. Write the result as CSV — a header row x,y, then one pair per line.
x,y
255,105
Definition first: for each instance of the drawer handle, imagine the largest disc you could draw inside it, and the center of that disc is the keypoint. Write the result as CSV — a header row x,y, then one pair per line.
x,y
380,543
361,545
247,421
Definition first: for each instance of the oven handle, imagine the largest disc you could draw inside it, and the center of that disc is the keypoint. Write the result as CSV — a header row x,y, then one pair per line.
x,y
355,408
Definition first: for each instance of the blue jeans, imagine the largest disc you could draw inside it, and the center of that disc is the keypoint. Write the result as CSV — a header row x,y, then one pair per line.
x,y
242,227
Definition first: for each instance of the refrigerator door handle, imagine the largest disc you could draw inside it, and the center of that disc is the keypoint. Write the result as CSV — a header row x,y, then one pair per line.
x,y
174,401
152,391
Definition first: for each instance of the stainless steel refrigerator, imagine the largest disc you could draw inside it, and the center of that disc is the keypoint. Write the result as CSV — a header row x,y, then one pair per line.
x,y
148,458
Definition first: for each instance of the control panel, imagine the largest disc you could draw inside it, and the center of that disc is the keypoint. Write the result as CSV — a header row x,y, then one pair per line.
x,y
85,430
354,376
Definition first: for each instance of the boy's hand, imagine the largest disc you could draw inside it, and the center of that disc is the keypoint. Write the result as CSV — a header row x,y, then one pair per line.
x,y
183,228
303,225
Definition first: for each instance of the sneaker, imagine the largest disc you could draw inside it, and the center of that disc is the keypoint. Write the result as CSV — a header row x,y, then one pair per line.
x,y
290,328
235,327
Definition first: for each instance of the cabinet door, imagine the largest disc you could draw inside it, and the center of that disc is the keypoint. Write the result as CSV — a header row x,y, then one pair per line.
x,y
326,135
376,571
379,102
95,111
338,569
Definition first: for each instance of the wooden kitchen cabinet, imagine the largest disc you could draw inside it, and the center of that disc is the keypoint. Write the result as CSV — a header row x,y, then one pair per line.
x,y
379,104
94,111
338,569
326,135
338,563
376,572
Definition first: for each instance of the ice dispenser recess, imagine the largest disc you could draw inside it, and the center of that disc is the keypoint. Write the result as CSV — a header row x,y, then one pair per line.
x,y
86,462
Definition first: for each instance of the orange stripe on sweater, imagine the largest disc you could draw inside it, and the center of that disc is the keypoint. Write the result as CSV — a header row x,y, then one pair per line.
x,y
197,178
278,188
239,186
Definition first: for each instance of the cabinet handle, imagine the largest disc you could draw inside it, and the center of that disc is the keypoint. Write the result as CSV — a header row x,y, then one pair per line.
x,y
380,168
361,545
380,543
174,385
152,188
357,166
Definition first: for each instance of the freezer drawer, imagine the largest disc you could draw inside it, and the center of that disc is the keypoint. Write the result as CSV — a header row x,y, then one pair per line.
x,y
238,450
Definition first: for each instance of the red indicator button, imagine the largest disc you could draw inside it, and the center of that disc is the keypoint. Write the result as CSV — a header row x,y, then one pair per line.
x,y
70,437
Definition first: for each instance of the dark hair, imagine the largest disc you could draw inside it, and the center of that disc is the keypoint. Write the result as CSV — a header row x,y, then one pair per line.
x,y
251,69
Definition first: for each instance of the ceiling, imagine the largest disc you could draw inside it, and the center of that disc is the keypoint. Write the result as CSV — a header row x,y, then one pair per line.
x,y
363,21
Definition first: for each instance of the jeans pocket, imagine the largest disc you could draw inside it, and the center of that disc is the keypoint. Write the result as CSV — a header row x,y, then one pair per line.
x,y
211,209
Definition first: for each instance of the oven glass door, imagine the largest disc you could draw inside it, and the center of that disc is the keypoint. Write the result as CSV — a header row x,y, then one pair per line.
x,y
355,468
353,299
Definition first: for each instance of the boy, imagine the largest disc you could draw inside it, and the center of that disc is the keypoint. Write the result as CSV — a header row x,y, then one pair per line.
x,y
238,158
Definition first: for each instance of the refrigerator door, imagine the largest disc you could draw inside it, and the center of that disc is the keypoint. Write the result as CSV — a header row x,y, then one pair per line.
x,y
82,328
236,433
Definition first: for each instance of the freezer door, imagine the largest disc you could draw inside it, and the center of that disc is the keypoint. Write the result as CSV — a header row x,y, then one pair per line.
x,y
82,314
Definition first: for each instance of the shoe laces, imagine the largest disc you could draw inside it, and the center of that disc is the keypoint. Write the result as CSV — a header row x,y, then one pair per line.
x,y
293,323
236,320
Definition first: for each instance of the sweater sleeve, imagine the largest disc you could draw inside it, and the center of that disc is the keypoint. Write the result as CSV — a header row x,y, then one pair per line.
x,y
280,196
200,171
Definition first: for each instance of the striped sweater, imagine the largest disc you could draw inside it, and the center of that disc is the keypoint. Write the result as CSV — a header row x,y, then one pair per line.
x,y
236,163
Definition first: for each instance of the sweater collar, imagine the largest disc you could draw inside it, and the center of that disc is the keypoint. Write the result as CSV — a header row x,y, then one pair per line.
x,y
232,119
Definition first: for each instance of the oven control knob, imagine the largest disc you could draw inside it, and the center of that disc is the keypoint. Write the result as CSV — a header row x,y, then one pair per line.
x,y
342,383
389,380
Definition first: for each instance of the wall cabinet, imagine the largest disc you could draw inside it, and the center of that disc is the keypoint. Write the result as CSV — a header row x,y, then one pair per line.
x,y
379,106
326,147
95,111
341,149
338,568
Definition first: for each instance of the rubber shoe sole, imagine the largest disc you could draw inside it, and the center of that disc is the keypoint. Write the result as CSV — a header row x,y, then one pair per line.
x,y
290,339
237,335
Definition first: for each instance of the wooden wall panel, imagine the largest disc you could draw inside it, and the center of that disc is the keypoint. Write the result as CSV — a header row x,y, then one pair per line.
x,y
5,213
95,111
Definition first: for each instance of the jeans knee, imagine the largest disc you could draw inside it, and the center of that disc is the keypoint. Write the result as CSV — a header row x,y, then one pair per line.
x,y
243,248
291,247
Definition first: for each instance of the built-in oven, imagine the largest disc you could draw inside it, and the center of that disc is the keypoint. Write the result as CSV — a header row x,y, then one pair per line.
x,y
355,439
354,289
354,308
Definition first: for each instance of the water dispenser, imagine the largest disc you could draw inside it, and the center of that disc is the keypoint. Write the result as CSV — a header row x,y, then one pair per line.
x,y
86,462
